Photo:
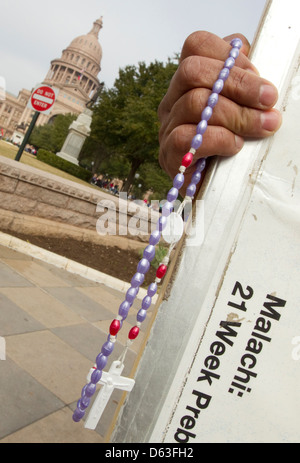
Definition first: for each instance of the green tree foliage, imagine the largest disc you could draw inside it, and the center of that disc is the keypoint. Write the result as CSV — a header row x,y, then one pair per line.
x,y
125,124
51,136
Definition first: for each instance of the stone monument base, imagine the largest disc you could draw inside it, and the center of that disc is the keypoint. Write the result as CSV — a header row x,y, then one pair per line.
x,y
68,157
79,130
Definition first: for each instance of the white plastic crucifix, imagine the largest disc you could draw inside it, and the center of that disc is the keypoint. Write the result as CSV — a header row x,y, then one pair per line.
x,y
2,348
110,381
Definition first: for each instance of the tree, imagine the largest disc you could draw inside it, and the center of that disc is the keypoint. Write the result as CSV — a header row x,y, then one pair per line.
x,y
51,137
125,117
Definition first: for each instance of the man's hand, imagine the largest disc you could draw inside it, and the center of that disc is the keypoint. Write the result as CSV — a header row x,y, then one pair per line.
x,y
244,109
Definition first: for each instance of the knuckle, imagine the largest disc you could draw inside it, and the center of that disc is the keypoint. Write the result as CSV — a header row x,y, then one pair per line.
x,y
196,101
189,71
222,141
243,121
194,43
244,86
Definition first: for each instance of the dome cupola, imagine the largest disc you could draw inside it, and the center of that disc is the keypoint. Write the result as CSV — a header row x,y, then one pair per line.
x,y
78,68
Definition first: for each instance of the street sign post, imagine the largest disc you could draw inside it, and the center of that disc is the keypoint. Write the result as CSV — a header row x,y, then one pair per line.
x,y
41,101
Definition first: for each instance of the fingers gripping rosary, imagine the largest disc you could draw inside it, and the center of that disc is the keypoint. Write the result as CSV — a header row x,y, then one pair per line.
x,y
113,378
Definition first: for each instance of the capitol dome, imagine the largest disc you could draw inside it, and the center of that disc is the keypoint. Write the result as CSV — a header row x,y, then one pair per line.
x,y
75,74
88,44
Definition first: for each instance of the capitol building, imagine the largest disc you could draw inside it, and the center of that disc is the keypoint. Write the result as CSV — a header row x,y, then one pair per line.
x,y
74,74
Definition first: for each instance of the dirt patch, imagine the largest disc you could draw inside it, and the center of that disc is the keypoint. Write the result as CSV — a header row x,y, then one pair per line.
x,y
110,260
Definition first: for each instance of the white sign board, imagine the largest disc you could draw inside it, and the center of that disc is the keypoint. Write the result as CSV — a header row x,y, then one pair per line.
x,y
43,98
239,379
222,363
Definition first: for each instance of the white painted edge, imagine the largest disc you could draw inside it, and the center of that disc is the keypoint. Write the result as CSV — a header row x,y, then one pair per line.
x,y
69,265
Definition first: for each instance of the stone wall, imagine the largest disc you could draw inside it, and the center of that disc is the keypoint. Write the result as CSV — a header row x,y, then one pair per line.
x,y
31,199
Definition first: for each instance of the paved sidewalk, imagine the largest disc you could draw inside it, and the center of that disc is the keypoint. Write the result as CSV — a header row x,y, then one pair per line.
x,y
54,323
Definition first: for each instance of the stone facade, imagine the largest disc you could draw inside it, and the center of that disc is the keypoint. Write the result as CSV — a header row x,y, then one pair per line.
x,y
75,74
11,112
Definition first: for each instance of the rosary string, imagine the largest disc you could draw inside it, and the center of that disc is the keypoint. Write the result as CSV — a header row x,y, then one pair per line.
x,y
149,252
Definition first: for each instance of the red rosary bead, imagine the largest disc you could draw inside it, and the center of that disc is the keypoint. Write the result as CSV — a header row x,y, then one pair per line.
x,y
115,327
133,333
161,271
187,159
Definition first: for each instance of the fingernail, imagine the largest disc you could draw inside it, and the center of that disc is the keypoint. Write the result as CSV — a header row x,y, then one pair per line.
x,y
268,95
271,120
239,142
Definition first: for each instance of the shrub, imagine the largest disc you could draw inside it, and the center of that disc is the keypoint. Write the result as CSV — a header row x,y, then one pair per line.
x,y
55,161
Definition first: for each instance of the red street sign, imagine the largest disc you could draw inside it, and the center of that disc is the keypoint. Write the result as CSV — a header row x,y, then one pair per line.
x,y
42,99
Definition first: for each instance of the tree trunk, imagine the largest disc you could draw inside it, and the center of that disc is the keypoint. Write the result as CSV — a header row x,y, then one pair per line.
x,y
135,164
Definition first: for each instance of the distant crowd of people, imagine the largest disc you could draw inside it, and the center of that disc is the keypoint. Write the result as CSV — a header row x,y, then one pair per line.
x,y
105,183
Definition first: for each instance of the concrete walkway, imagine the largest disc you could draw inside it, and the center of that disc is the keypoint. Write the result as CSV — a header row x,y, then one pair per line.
x,y
54,323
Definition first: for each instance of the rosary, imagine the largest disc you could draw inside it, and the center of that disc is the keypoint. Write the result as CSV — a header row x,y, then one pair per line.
x,y
113,378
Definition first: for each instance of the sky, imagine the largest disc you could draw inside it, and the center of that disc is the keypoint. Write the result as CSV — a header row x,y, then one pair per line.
x,y
33,32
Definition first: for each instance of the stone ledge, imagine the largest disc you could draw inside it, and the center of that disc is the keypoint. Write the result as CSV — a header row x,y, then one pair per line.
x,y
31,175
17,222
27,190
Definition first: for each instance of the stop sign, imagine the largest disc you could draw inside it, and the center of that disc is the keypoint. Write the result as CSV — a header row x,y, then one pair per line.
x,y
43,99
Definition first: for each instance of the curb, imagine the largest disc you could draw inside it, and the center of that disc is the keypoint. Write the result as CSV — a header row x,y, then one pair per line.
x,y
66,264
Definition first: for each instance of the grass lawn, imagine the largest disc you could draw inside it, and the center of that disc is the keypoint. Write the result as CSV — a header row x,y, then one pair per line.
x,y
9,151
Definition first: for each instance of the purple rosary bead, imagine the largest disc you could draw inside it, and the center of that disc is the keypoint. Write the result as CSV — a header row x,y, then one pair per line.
x,y
201,164
229,63
152,289
196,142
101,361
207,113
178,181
213,100
149,253
78,415
90,389
96,376
146,303
107,349
236,43
167,209
141,316
143,266
201,127
234,53
191,190
172,195
124,309
137,280
162,223
218,86
155,238
196,177
224,74
84,401
131,295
